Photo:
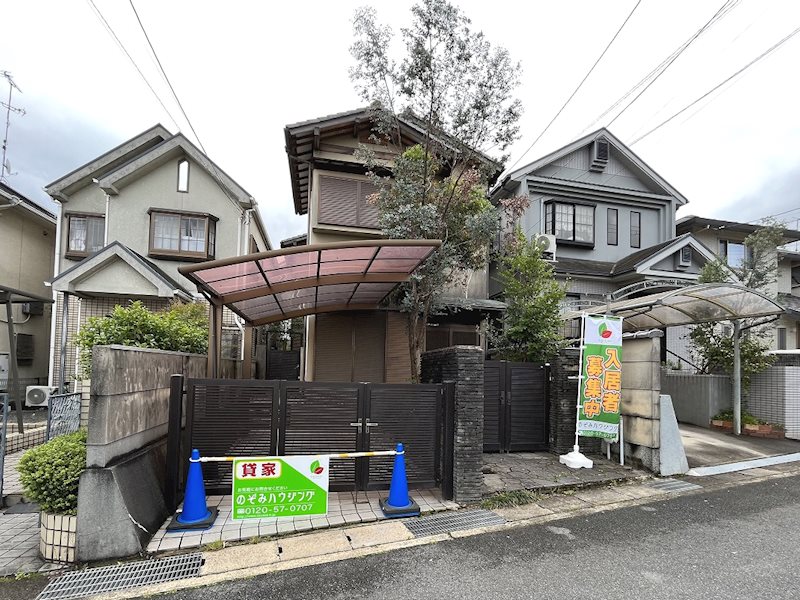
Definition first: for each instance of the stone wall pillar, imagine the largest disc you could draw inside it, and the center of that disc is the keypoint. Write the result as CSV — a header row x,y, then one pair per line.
x,y
564,371
463,365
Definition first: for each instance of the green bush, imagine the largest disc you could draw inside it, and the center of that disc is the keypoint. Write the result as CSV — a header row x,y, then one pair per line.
x,y
50,472
181,327
747,418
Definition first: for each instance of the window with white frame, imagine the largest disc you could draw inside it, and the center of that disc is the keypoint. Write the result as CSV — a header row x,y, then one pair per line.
x,y
734,253
182,235
85,234
636,229
183,176
570,222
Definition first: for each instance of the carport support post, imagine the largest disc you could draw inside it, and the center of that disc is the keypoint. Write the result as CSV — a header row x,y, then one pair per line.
x,y
12,345
737,378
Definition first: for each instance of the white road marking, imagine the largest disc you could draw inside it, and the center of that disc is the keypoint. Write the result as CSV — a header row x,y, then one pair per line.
x,y
744,465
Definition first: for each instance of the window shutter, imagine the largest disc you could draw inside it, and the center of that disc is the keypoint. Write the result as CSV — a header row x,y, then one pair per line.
x,y
368,212
338,201
334,348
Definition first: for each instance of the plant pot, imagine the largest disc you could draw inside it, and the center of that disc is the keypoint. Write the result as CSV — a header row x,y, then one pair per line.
x,y
57,537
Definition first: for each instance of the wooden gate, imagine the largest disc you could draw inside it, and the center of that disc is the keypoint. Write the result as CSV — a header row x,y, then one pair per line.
x,y
227,417
515,406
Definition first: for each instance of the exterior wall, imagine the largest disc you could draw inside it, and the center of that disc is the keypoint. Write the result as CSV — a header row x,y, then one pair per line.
x,y
129,223
27,245
564,372
697,398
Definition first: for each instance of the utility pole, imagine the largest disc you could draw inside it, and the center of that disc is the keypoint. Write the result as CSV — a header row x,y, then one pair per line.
x,y
5,167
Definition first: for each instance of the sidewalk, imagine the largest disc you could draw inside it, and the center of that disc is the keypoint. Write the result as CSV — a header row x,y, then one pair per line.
x,y
343,508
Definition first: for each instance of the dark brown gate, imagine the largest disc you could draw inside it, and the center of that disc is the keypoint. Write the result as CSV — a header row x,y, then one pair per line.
x,y
515,406
227,417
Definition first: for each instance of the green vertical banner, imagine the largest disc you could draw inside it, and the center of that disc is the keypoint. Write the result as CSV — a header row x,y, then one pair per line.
x,y
286,486
600,389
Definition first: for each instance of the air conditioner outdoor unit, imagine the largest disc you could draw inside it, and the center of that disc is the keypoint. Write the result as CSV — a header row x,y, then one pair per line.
x,y
548,243
38,395
684,257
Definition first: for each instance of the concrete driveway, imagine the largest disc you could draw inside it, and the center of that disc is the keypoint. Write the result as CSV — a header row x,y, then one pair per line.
x,y
708,447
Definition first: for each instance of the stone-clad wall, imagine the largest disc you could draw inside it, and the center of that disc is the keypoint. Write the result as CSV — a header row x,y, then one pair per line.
x,y
462,365
564,371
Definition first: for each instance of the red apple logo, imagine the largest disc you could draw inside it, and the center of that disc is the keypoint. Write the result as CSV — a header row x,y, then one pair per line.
x,y
604,331
318,470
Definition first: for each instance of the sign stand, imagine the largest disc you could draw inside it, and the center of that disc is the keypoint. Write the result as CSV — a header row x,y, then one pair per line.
x,y
574,459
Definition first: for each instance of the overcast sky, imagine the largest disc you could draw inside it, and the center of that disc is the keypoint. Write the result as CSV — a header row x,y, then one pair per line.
x,y
243,70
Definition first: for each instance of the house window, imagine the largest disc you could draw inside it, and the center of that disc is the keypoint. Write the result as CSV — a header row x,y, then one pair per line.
x,y
570,222
613,219
183,176
182,235
636,229
733,252
86,234
346,202
782,338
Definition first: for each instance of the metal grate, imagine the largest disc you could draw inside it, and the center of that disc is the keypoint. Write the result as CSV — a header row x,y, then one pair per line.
x,y
90,582
453,521
673,485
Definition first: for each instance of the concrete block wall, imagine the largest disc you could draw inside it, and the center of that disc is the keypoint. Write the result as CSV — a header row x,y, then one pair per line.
x,y
464,366
129,403
697,398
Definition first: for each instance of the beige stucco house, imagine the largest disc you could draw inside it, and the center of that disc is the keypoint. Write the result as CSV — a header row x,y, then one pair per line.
x,y
129,219
330,186
27,243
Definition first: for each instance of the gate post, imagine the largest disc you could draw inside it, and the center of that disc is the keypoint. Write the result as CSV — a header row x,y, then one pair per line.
x,y
171,475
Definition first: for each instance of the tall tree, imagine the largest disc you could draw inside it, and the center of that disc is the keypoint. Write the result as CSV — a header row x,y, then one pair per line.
x,y
712,344
457,89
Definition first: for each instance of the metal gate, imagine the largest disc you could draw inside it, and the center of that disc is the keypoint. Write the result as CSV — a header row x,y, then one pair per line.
x,y
515,406
227,417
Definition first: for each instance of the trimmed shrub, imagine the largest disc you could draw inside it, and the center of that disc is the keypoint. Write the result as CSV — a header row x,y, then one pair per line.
x,y
181,327
50,472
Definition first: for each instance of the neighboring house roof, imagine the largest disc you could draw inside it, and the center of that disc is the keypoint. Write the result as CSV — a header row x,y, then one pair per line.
x,y
303,137
165,285
620,147
15,198
693,223
791,303
297,240
639,261
61,188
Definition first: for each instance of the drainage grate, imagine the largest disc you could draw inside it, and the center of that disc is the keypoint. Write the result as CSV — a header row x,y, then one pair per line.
x,y
674,485
453,521
90,582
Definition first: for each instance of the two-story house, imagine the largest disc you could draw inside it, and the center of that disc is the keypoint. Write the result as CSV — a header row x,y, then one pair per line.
x,y
27,245
727,238
330,186
129,219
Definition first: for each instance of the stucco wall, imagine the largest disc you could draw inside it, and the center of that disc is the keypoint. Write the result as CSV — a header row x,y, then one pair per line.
x,y
27,244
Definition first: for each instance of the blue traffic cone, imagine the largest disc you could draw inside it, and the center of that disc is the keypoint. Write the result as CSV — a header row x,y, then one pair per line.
x,y
196,514
399,504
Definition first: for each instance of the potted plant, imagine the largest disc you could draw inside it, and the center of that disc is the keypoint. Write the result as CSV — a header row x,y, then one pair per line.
x,y
49,474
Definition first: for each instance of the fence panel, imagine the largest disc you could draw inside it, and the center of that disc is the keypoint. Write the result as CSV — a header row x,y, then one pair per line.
x,y
63,414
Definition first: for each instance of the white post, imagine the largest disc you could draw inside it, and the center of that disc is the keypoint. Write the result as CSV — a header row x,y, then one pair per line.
x,y
574,459
737,378
621,443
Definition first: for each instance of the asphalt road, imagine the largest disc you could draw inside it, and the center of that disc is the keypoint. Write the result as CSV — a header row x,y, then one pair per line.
x,y
737,543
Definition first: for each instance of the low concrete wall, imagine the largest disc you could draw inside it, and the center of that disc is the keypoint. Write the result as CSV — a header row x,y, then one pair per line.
x,y
697,398
130,398
120,495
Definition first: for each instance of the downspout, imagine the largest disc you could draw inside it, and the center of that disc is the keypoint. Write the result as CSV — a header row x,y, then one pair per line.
x,y
56,267
105,216
241,245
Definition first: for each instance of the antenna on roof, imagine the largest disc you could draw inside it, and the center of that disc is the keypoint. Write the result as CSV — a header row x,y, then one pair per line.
x,y
5,166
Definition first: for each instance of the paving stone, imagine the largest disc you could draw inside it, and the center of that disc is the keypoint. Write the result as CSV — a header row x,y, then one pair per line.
x,y
599,496
526,511
379,533
324,542
240,557
558,503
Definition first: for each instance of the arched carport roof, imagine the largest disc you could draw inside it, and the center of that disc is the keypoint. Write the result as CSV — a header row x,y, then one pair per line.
x,y
293,282
701,303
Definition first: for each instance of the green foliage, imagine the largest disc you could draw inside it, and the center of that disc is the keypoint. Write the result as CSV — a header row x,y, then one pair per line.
x,y
747,418
181,327
531,324
50,472
712,344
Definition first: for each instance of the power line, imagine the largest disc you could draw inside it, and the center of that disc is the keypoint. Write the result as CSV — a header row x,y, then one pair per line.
x,y
663,64
560,110
114,36
164,73
719,85
723,10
